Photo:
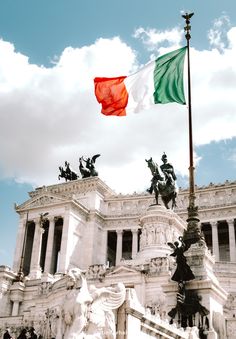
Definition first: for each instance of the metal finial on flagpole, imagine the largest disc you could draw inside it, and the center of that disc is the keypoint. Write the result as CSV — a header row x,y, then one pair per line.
x,y
193,232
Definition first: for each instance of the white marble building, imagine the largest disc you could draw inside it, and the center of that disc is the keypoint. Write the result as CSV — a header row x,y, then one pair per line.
x,y
120,238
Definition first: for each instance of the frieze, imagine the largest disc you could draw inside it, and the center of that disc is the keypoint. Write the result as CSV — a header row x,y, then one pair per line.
x,y
159,265
231,328
124,208
96,272
87,185
77,187
43,200
158,307
212,195
153,234
122,224
230,305
217,214
44,288
153,219
3,291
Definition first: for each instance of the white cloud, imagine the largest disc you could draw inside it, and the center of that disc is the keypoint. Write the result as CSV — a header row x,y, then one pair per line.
x,y
48,115
217,35
154,39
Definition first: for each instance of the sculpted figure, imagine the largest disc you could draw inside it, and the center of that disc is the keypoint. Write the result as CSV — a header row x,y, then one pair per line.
x,y
89,169
88,314
67,173
188,305
183,272
163,185
143,238
167,168
101,319
75,306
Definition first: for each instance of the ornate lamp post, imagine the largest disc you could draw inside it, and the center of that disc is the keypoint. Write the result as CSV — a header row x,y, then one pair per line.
x,y
193,232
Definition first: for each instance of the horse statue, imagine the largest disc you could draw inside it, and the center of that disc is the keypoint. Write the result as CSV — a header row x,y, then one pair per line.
x,y
70,174
89,169
85,172
163,185
62,174
67,173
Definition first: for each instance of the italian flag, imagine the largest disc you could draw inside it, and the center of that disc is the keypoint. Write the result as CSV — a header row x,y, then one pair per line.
x,y
159,82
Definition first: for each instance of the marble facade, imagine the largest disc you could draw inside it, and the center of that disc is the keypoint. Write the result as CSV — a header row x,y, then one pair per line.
x,y
119,238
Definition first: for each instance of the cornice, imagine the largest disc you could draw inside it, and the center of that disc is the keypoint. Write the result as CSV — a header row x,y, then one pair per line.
x,y
68,189
127,206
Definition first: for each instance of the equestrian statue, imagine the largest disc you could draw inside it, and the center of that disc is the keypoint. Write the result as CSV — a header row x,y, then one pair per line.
x,y
163,184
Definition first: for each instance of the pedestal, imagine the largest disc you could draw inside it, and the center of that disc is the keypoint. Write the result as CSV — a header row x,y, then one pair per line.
x,y
159,226
16,296
207,288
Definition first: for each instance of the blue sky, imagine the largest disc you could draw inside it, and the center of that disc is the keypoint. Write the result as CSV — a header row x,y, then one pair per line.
x,y
50,51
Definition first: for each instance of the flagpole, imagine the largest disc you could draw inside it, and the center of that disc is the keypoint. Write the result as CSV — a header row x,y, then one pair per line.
x,y
193,232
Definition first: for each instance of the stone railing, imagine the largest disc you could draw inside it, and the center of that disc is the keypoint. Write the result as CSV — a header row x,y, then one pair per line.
x,y
140,323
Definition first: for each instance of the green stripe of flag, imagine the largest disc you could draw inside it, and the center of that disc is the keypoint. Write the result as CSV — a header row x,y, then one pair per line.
x,y
168,78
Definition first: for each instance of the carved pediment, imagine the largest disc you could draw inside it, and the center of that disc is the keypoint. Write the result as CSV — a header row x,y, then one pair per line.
x,y
123,270
41,200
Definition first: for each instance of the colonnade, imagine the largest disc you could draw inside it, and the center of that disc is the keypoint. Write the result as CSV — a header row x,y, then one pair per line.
x,y
217,238
218,241
52,246
120,242
50,255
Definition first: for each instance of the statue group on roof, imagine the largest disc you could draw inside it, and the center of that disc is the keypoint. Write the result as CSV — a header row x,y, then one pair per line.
x,y
86,168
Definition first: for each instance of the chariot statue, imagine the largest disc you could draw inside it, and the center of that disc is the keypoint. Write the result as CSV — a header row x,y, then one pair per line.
x,y
87,166
67,173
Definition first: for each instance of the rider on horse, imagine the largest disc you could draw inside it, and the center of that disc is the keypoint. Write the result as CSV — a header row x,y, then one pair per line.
x,y
165,186
167,168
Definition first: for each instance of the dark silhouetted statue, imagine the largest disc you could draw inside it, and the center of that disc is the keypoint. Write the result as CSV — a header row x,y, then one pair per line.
x,y
163,185
67,173
89,169
183,272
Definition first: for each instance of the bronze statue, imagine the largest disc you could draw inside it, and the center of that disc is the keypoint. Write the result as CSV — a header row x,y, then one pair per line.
x,y
86,171
67,173
163,185
89,169
188,305
183,272
167,168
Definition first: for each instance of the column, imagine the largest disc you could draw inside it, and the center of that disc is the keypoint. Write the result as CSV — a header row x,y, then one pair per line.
x,y
35,270
49,250
119,246
134,243
66,243
215,240
232,245
15,308
20,241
